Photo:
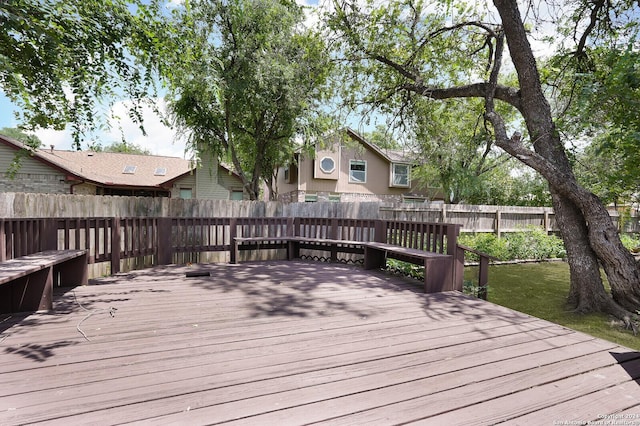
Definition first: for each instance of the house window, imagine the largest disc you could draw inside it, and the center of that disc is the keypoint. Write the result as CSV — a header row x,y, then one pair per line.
x,y
160,171
237,195
327,165
129,170
290,173
400,175
186,193
357,171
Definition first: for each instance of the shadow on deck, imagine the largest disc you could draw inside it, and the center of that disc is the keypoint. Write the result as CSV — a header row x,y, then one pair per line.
x,y
275,343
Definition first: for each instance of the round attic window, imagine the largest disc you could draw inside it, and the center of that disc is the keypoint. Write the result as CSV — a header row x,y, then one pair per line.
x,y
327,165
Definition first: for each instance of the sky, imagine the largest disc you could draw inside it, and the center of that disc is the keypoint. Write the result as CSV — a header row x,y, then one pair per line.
x,y
160,140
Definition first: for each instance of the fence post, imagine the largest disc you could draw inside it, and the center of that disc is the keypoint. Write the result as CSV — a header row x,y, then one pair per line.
x,y
115,245
546,221
498,222
164,249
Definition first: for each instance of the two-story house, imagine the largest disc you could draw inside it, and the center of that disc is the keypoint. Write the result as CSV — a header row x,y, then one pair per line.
x,y
109,173
349,169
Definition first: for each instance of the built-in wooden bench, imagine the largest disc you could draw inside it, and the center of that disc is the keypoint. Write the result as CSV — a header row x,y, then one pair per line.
x,y
26,283
432,245
294,244
258,243
438,267
324,244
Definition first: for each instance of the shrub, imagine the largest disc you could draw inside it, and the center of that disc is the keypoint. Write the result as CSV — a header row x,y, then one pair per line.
x,y
631,241
530,243
486,243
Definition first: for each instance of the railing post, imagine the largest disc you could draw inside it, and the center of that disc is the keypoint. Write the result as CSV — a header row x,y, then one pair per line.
x,y
49,236
233,222
334,229
164,249
290,227
483,278
381,231
458,270
3,241
457,255
115,245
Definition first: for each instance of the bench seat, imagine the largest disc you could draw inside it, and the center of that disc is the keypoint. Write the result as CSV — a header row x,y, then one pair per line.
x,y
250,243
438,268
324,244
26,283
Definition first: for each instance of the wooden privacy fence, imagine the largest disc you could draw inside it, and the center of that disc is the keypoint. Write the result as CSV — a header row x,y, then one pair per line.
x,y
472,218
162,239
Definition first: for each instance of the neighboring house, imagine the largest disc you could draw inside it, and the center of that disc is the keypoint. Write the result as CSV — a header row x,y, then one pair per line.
x,y
355,170
109,173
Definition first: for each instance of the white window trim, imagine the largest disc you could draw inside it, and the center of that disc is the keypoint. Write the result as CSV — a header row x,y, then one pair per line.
x,y
351,180
393,175
327,171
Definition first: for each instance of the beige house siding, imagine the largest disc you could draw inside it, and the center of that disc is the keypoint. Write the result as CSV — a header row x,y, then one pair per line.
x,y
187,182
231,182
207,181
377,171
33,175
312,183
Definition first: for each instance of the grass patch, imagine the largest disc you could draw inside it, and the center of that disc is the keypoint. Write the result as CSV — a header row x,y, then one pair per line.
x,y
540,290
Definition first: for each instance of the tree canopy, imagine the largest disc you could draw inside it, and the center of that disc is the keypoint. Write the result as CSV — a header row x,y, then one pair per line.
x,y
122,147
600,103
63,61
251,79
406,50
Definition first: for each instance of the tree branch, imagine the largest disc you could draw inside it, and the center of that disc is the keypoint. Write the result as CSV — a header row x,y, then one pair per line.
x,y
507,94
593,20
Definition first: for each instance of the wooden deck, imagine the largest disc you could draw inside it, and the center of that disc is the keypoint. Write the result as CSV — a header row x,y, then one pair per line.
x,y
281,343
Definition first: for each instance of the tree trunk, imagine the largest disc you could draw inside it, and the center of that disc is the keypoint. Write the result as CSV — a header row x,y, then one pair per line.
x,y
586,291
588,231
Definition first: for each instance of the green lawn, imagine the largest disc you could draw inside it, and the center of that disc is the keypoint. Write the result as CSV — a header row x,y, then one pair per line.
x,y
540,290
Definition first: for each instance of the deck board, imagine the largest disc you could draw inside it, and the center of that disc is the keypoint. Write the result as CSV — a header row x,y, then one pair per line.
x,y
279,343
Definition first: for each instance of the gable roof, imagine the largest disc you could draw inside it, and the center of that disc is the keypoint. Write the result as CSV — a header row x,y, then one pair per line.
x,y
391,155
107,168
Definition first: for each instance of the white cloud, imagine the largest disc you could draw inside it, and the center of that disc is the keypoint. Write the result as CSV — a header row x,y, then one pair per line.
x,y
60,139
160,139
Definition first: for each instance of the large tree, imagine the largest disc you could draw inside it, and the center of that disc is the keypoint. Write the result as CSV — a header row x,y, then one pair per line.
x,y
247,81
406,50
461,156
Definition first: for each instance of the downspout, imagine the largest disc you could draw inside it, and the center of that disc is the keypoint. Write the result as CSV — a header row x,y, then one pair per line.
x,y
73,185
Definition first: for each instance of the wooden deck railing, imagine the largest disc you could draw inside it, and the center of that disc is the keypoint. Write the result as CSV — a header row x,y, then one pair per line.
x,y
163,238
